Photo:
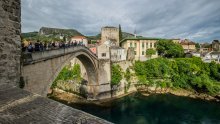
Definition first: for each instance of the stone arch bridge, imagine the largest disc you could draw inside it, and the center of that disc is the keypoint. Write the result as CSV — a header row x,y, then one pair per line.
x,y
40,69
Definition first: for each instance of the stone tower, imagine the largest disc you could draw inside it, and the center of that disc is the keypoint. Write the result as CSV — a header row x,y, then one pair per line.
x,y
110,33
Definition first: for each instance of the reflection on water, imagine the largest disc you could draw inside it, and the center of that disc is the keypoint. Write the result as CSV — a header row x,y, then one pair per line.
x,y
156,109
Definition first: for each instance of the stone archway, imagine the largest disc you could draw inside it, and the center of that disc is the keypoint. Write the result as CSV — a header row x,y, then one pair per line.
x,y
91,72
39,75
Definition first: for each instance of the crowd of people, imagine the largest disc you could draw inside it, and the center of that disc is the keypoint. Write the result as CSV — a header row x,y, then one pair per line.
x,y
39,46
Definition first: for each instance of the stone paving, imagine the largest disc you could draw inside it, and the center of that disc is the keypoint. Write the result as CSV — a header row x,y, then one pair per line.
x,y
18,106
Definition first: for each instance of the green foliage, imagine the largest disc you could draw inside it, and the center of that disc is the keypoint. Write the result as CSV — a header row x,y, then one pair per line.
x,y
76,72
169,49
120,33
215,70
150,52
142,80
163,84
116,73
197,46
127,75
187,73
69,73
29,34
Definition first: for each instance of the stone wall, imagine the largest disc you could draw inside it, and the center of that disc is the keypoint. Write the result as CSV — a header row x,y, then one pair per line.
x,y
125,86
10,41
104,79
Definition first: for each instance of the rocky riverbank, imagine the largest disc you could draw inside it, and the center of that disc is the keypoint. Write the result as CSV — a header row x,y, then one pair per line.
x,y
146,91
70,98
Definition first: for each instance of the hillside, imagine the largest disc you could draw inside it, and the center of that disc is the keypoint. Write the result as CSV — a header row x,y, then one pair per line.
x,y
29,34
49,34
57,31
125,34
98,36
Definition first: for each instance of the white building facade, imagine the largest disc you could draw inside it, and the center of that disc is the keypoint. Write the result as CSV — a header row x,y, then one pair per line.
x,y
118,54
140,46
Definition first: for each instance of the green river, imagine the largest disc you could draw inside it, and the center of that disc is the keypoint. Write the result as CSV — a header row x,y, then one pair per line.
x,y
156,109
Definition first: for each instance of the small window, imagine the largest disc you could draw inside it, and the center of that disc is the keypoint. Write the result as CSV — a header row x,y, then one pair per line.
x,y
142,52
146,45
130,44
150,45
135,45
153,45
103,54
142,45
135,53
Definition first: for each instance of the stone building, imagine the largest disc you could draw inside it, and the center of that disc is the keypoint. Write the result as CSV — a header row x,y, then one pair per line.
x,y
215,45
140,45
110,34
10,41
103,51
188,45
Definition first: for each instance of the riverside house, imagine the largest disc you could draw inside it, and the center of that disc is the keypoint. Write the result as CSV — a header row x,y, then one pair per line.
x,y
188,45
140,45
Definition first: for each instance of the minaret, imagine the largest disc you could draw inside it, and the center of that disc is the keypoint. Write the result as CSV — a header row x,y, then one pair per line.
x,y
135,33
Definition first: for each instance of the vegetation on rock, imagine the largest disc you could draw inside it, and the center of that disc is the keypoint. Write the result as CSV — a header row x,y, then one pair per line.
x,y
116,74
69,73
187,73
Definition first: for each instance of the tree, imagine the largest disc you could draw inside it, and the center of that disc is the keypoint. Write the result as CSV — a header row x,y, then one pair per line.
x,y
120,33
169,49
150,52
197,46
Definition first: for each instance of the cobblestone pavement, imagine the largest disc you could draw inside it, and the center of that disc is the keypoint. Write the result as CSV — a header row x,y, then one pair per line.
x,y
21,107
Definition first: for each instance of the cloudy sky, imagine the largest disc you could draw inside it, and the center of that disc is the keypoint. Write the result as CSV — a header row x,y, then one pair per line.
x,y
198,20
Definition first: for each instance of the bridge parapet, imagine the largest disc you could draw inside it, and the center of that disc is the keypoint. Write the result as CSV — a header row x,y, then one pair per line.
x,y
29,58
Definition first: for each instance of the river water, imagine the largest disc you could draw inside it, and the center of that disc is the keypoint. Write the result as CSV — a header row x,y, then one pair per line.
x,y
156,109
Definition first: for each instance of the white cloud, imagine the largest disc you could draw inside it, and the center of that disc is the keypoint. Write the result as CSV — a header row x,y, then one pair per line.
x,y
198,20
